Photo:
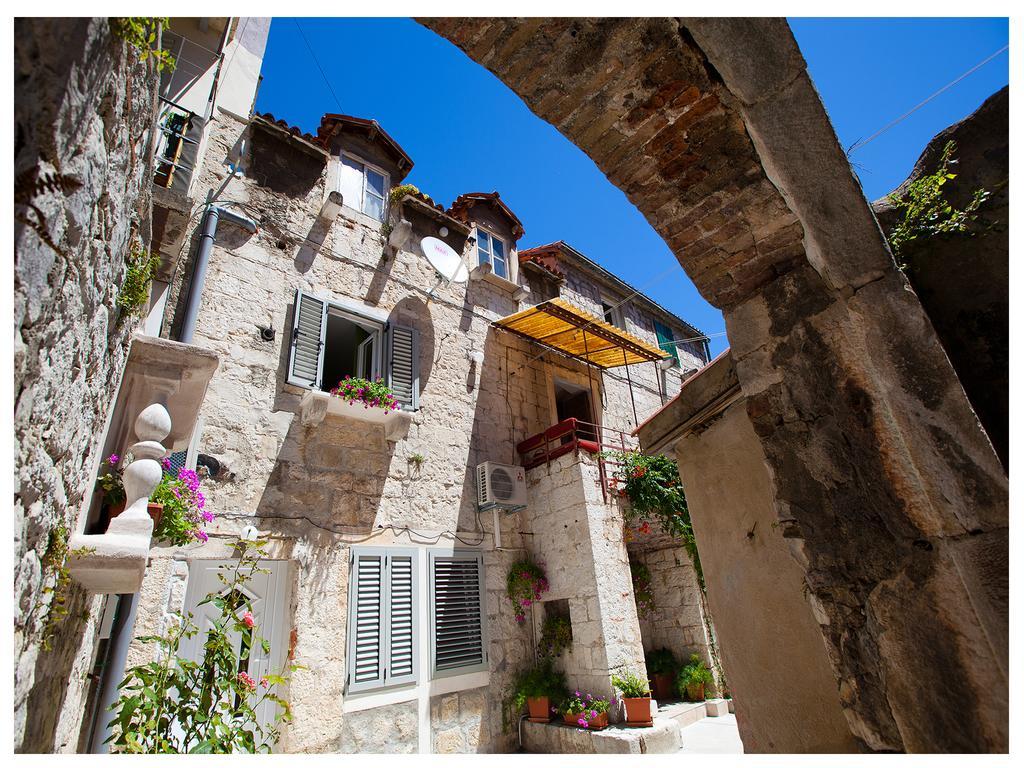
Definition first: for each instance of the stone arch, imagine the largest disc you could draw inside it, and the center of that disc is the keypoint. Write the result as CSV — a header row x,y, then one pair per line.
x,y
885,485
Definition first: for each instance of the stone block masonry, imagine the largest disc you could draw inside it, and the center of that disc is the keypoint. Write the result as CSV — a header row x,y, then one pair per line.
x,y
83,114
713,129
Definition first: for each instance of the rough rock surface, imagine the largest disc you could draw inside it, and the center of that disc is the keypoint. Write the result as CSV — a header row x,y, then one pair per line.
x,y
963,281
887,488
83,111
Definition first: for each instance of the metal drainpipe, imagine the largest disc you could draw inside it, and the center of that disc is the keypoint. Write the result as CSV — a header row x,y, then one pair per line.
x,y
124,621
195,290
113,671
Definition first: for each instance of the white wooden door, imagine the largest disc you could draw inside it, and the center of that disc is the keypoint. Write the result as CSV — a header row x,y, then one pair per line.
x,y
267,598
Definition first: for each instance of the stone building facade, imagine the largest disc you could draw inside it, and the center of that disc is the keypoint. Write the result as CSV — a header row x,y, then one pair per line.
x,y
327,487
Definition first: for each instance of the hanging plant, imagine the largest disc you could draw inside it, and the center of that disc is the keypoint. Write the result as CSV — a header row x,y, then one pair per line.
x,y
525,586
555,636
642,589
655,493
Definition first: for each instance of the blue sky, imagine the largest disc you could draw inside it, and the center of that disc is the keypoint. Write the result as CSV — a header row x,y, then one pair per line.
x,y
466,131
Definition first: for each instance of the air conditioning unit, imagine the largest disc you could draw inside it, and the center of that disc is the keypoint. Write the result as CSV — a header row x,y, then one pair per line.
x,y
500,485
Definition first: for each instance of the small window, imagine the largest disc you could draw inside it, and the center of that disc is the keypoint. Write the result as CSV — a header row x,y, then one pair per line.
x,y
612,314
363,187
491,250
330,342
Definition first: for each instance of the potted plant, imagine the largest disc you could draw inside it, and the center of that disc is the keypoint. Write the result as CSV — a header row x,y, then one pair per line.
x,y
585,710
111,485
636,697
693,678
372,394
183,510
525,585
662,666
541,688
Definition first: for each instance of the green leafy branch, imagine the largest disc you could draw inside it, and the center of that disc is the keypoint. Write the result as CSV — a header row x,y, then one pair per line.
x,y
140,32
927,212
142,267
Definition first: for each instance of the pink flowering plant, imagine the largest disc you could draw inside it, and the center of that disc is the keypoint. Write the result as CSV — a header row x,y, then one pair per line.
x,y
110,482
185,511
583,708
372,394
526,584
176,705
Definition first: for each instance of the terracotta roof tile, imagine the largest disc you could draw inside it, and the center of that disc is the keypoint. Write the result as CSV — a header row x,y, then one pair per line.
x,y
460,209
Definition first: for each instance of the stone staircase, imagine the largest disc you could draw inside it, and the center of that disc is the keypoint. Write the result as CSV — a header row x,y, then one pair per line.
x,y
664,737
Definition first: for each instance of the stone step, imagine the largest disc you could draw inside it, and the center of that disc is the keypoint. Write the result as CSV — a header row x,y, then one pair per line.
x,y
557,738
683,712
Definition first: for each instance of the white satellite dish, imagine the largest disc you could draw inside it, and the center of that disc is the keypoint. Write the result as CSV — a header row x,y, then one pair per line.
x,y
444,259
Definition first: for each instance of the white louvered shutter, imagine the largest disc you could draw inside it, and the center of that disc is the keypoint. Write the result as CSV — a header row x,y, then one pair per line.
x,y
366,620
404,365
457,615
402,635
309,325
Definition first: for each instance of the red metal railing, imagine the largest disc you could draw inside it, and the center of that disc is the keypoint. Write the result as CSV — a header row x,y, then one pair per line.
x,y
574,435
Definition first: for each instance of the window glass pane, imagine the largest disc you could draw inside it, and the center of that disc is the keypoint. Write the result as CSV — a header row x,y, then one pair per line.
x,y
374,206
374,183
351,183
500,268
483,246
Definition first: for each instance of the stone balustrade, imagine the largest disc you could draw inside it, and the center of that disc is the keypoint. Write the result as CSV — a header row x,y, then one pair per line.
x,y
114,562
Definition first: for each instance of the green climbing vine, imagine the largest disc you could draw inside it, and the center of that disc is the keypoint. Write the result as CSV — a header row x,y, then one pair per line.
x,y
140,32
927,212
142,266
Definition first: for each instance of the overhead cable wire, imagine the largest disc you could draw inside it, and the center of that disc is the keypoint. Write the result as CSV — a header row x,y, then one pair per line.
x,y
862,142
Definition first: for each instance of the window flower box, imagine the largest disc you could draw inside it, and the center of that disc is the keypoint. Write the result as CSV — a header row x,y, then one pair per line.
x,y
315,405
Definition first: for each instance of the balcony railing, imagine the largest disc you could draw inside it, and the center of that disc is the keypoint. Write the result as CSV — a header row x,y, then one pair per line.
x,y
573,436
175,126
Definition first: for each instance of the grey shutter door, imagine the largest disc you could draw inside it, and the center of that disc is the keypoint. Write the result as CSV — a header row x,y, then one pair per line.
x,y
305,363
404,365
402,636
457,615
366,620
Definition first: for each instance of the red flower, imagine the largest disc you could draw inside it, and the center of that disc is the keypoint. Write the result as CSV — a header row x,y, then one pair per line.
x,y
248,620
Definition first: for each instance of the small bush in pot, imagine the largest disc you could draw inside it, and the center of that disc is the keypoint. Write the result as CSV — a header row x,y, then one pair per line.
x,y
586,711
541,688
636,697
662,667
693,678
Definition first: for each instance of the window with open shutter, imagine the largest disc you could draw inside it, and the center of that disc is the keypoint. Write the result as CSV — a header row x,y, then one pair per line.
x,y
308,329
457,614
382,630
404,366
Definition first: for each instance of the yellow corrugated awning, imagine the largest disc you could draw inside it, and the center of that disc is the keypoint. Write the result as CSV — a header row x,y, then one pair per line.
x,y
561,326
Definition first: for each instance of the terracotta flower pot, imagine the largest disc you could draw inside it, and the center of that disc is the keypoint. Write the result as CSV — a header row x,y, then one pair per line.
x,y
540,709
663,687
695,692
638,712
595,724
155,510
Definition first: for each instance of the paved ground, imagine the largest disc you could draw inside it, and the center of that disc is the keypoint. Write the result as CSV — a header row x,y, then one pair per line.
x,y
713,735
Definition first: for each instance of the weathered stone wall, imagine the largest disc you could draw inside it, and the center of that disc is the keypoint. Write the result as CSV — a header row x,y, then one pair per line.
x,y
963,279
317,490
83,113
888,490
677,621
771,648
579,538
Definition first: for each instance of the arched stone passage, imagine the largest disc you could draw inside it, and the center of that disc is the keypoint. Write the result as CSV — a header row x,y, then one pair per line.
x,y
885,485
